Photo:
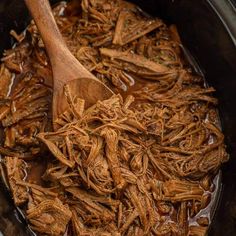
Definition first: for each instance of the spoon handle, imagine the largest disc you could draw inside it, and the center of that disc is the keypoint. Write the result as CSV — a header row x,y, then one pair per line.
x,y
44,19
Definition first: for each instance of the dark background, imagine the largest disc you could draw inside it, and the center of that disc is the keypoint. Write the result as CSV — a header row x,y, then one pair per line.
x,y
208,30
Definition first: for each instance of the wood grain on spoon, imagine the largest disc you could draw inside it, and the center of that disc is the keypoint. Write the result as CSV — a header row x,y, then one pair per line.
x,y
65,67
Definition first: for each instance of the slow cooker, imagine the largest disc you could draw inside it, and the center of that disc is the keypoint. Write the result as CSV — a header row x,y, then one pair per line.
x,y
208,31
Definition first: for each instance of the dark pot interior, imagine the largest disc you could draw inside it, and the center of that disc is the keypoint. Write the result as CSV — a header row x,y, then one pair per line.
x,y
208,31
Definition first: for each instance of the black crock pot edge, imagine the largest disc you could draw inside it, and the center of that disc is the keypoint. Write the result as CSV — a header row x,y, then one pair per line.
x,y
226,11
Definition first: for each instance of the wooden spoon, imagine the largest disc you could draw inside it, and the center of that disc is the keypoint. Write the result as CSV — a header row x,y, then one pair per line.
x,y
65,67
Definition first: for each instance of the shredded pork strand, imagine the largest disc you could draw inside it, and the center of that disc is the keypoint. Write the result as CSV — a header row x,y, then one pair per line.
x,y
140,163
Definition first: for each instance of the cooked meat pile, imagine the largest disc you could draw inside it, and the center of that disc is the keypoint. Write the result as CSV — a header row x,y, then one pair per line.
x,y
140,163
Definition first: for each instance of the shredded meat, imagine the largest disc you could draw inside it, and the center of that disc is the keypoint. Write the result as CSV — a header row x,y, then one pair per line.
x,y
49,217
5,81
16,171
140,163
